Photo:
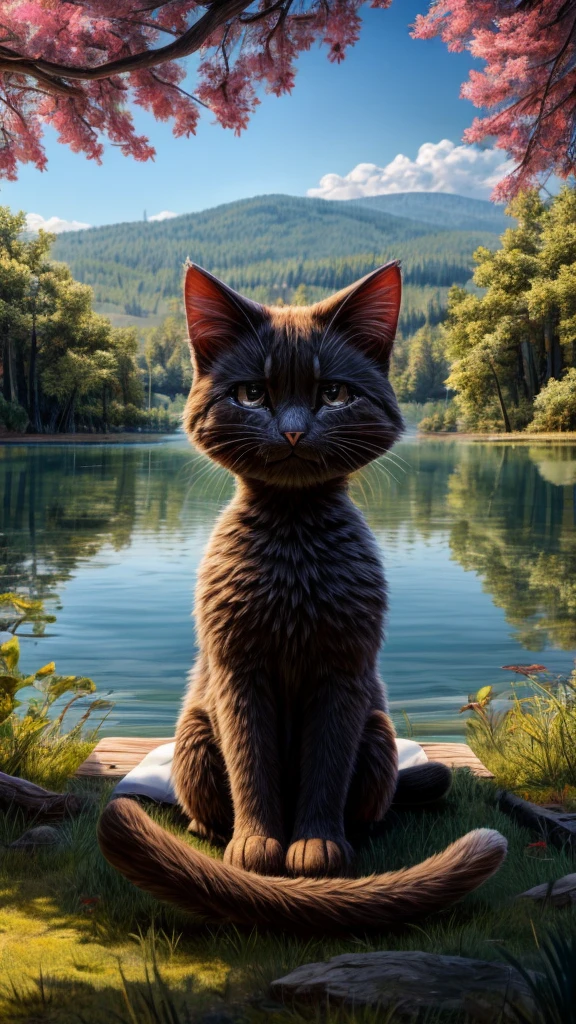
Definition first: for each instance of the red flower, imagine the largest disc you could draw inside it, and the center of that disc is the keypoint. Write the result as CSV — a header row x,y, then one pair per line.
x,y
540,845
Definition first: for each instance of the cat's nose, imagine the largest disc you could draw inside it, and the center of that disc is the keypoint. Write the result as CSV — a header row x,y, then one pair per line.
x,y
293,436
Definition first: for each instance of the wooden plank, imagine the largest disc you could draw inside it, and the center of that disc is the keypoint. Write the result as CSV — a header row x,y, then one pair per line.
x,y
456,755
114,756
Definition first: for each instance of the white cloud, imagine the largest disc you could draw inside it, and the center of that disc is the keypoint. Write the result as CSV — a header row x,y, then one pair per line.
x,y
56,225
439,167
163,215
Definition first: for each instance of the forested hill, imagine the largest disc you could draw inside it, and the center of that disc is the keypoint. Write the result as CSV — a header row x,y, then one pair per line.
x,y
458,213
269,246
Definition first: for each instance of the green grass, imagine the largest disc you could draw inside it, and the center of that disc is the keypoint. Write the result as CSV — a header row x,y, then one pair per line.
x,y
530,745
76,939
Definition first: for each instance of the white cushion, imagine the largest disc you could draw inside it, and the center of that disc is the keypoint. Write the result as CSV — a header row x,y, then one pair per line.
x,y
153,776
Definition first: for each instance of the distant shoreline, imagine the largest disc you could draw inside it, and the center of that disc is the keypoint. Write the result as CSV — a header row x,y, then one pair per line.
x,y
568,437
125,438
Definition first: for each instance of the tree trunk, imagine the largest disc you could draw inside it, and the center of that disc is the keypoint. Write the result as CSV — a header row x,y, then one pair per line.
x,y
554,356
33,409
507,426
8,389
105,409
529,370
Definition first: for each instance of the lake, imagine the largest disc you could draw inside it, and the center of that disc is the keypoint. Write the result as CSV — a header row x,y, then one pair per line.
x,y
478,542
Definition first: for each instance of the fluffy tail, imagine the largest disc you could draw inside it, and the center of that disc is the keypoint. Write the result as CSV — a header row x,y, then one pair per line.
x,y
170,870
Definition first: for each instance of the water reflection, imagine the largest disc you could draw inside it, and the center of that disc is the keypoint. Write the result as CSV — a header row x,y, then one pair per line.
x,y
479,543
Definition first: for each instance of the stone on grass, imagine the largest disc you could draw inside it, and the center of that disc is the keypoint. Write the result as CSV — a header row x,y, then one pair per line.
x,y
411,981
561,893
38,838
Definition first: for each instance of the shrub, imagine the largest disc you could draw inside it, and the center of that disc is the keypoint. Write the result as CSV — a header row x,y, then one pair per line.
x,y
443,418
555,406
13,416
530,746
33,745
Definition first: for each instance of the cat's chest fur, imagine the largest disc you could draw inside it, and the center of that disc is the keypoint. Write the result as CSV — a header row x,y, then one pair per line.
x,y
292,582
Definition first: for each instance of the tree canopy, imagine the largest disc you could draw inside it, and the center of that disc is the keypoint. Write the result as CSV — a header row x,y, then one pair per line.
x,y
528,84
79,66
63,365
516,333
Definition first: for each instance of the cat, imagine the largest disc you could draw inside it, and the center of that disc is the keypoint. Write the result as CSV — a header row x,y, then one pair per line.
x,y
284,745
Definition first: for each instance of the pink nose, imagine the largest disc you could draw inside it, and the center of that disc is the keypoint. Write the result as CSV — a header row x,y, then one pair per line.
x,y
293,436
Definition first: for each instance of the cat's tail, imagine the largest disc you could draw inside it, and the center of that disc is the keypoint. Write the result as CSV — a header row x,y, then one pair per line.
x,y
171,870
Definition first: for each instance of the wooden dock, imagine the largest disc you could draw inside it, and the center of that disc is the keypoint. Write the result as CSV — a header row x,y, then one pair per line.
x,y
114,756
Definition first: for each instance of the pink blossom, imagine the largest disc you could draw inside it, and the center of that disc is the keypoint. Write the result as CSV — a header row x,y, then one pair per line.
x,y
528,83
255,49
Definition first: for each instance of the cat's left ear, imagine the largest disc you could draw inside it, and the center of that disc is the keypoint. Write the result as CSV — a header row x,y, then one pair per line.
x,y
216,315
366,313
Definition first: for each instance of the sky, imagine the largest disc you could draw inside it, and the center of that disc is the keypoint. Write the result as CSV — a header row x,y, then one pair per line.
x,y
387,119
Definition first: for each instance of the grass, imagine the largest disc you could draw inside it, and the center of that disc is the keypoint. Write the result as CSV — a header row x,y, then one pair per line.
x,y
78,942
529,741
34,743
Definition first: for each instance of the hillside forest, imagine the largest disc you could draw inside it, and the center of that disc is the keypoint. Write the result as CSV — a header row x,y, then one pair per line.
x,y
93,336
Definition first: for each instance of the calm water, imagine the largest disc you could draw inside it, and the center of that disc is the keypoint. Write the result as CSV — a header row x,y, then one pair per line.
x,y
479,544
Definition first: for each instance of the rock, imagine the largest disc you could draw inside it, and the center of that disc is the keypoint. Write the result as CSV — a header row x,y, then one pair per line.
x,y
408,982
37,838
561,893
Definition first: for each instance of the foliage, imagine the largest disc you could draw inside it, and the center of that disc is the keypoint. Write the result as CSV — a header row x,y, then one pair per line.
x,y
554,987
166,358
79,66
444,417
531,745
12,416
17,610
266,247
507,341
420,367
555,406
63,365
527,84
33,744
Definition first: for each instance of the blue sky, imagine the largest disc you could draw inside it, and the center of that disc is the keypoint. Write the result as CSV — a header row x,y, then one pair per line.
x,y
391,95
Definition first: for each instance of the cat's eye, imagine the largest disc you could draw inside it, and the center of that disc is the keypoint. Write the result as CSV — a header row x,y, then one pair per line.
x,y
250,395
335,394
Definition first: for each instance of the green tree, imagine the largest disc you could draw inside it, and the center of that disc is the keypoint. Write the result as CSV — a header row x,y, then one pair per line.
x,y
517,331
426,367
166,358
63,365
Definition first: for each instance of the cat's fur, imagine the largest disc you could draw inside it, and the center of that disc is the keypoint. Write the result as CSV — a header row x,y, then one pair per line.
x,y
284,744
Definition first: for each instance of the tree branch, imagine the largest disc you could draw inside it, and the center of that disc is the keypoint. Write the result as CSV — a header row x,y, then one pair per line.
x,y
47,71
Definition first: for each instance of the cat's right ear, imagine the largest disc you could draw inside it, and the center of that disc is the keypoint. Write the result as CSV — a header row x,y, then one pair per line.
x,y
215,314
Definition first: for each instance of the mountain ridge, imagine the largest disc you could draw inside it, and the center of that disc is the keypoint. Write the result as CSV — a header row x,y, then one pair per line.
x,y
269,246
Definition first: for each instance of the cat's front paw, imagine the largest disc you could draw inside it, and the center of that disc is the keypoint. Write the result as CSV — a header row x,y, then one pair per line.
x,y
261,854
317,857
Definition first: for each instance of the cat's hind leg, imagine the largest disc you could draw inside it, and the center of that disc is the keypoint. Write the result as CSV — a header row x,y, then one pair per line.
x,y
375,775
200,777
377,783
422,784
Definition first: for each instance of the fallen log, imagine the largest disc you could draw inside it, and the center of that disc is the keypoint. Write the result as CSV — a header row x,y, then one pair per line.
x,y
38,802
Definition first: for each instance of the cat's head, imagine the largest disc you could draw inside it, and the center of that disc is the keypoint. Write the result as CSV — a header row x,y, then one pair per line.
x,y
293,395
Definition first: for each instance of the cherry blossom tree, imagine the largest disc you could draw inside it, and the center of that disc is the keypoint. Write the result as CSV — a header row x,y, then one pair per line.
x,y
79,65
528,84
